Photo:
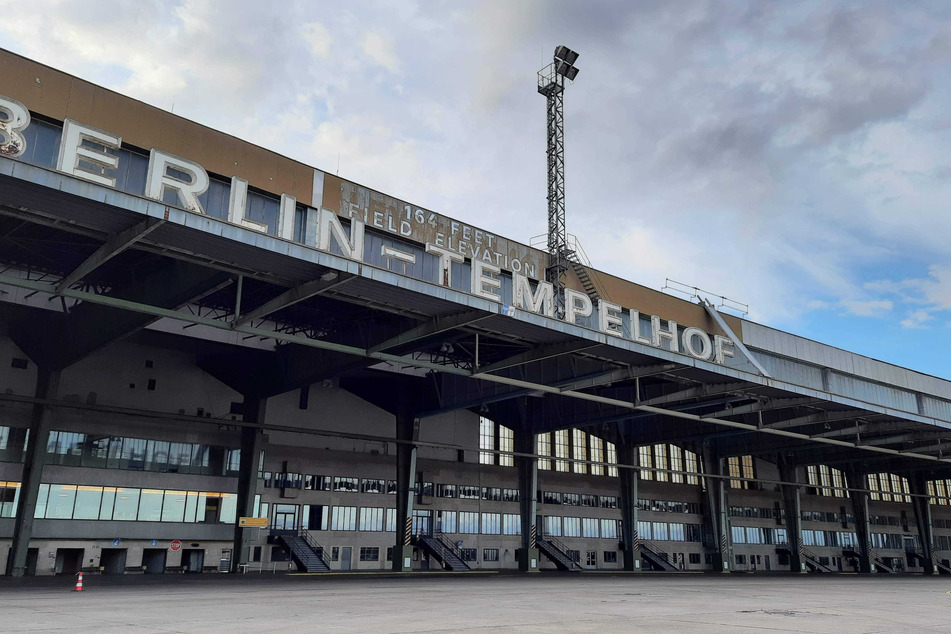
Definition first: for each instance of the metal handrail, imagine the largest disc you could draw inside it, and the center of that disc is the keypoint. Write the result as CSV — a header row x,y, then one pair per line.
x,y
561,548
319,550
654,548
449,545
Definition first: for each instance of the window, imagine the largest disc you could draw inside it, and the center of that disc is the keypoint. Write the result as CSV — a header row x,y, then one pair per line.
x,y
371,519
491,523
490,554
492,494
676,532
692,466
510,495
467,492
552,525
580,450
938,490
676,464
369,553
343,518
888,487
826,481
591,558
543,448
645,458
644,530
373,486
589,527
319,483
694,558
561,450
511,524
608,529
741,467
608,501
469,554
486,441
446,490
446,521
346,484
661,462
611,450
468,522
506,443
660,531
572,526
609,556
597,455
390,520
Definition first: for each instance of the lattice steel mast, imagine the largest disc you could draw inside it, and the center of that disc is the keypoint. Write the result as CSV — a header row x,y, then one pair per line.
x,y
551,84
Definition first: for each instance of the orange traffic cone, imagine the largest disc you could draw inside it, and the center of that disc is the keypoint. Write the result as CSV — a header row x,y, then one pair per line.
x,y
79,584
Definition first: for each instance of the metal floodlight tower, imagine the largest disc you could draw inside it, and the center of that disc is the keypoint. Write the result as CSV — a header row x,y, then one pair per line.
x,y
551,84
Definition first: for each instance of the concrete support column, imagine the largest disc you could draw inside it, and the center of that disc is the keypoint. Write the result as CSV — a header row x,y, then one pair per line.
x,y
863,533
716,512
921,501
47,385
407,429
630,544
790,472
251,442
527,468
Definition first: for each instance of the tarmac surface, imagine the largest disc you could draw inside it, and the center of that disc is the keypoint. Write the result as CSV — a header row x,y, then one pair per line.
x,y
478,602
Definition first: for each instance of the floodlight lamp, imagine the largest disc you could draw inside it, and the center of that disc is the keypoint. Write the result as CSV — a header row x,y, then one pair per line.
x,y
565,54
572,73
562,68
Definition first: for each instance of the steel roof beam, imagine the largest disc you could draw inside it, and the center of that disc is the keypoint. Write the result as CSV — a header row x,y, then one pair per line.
x,y
763,406
435,326
540,353
114,245
616,376
292,296
819,418
713,389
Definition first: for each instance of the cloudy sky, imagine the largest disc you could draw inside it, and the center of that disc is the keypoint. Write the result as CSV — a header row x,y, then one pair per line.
x,y
793,156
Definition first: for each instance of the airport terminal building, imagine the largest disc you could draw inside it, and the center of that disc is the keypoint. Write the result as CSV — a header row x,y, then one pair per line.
x,y
217,359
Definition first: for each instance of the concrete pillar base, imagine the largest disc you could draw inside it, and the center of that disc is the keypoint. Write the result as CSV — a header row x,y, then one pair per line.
x,y
527,559
403,559
632,560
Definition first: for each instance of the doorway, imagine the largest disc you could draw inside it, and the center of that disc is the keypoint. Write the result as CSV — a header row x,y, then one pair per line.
x,y
153,560
422,522
193,559
285,517
69,561
346,554
112,561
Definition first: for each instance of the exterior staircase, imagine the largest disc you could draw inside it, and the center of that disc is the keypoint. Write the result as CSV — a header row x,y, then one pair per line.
x,y
305,551
585,278
809,558
557,552
655,558
444,550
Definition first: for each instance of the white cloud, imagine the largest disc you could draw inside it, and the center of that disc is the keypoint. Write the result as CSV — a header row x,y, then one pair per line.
x,y
379,48
318,39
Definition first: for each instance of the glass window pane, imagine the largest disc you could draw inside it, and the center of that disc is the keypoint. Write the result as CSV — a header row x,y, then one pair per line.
x,y
126,505
61,500
108,501
173,506
88,499
150,505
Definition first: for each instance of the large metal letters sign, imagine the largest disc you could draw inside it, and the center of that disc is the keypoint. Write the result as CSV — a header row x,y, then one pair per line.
x,y
93,155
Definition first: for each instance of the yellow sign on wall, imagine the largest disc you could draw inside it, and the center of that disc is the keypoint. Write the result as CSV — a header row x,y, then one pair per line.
x,y
260,522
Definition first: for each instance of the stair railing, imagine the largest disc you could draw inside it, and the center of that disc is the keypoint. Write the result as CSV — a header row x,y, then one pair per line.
x,y
562,550
449,545
319,550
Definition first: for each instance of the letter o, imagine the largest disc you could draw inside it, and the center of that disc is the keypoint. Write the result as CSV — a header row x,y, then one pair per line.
x,y
706,346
